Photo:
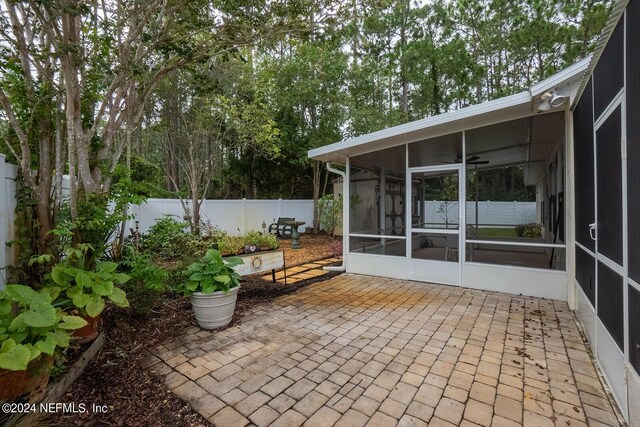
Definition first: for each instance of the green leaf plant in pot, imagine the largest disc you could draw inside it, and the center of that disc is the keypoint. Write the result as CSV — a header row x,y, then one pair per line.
x,y
31,331
213,287
85,290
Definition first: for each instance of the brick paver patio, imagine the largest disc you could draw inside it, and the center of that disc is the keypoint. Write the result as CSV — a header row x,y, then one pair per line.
x,y
357,350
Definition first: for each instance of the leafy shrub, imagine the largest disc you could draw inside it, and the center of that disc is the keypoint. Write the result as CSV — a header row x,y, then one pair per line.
x,y
213,233
253,238
231,244
330,212
534,231
147,281
212,274
168,238
269,240
529,230
86,286
30,326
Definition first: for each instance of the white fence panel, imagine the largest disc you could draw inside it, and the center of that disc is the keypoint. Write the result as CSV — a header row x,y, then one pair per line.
x,y
232,216
489,213
7,215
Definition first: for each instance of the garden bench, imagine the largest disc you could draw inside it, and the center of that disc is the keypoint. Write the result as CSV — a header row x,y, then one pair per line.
x,y
282,227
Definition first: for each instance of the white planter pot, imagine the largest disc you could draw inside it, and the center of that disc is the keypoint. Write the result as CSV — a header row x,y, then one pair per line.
x,y
214,310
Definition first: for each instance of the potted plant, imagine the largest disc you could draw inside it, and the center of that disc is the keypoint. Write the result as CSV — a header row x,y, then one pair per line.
x,y
213,287
31,330
85,290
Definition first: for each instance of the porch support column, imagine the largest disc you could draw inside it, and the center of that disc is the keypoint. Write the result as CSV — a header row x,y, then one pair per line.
x,y
569,211
408,207
346,211
383,203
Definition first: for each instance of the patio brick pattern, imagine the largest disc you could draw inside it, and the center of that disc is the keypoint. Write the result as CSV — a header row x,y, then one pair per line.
x,y
357,350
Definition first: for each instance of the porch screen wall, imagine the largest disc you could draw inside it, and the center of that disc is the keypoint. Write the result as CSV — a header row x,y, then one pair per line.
x,y
609,185
583,155
377,202
633,176
608,178
609,74
633,140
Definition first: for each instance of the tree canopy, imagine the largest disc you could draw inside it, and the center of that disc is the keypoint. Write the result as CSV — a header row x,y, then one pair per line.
x,y
225,97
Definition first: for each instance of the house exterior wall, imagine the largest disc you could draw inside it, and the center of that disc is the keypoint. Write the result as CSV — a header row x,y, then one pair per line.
x,y
606,155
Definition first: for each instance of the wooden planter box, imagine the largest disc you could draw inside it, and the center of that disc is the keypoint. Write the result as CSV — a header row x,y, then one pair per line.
x,y
260,262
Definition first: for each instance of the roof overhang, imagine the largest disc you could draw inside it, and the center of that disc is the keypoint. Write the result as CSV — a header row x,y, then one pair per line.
x,y
512,107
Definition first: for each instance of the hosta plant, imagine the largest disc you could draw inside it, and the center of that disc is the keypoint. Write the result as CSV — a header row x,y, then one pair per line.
x,y
212,274
87,289
31,326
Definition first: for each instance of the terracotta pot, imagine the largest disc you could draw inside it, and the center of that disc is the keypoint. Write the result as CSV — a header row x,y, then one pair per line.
x,y
90,332
35,378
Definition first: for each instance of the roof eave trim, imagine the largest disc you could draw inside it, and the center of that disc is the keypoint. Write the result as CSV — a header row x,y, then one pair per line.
x,y
441,119
562,76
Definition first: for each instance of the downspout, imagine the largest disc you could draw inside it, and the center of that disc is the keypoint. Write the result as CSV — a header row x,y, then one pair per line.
x,y
343,267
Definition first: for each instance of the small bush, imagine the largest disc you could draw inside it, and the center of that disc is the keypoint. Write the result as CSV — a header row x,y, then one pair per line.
x,y
213,233
529,230
253,238
231,245
169,238
330,212
148,281
269,240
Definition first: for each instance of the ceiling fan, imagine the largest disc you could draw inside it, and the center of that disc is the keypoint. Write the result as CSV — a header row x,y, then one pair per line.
x,y
472,160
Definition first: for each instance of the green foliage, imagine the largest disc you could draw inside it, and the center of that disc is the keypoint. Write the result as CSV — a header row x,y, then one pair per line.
x,y
269,240
231,245
256,238
212,233
147,281
26,242
253,238
86,288
212,274
330,212
530,230
30,326
147,177
169,238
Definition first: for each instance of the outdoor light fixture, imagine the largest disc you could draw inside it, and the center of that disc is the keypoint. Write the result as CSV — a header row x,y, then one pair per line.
x,y
544,106
557,100
551,99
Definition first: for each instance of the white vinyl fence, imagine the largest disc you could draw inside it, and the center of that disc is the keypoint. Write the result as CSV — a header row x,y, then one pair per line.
x,y
232,216
489,213
7,208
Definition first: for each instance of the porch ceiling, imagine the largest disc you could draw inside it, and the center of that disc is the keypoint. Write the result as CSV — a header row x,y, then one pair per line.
x,y
527,141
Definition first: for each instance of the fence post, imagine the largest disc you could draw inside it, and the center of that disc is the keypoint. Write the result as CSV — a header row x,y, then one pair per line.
x,y
4,222
279,208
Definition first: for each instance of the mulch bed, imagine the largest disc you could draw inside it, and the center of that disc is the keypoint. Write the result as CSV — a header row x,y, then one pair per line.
x,y
116,377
